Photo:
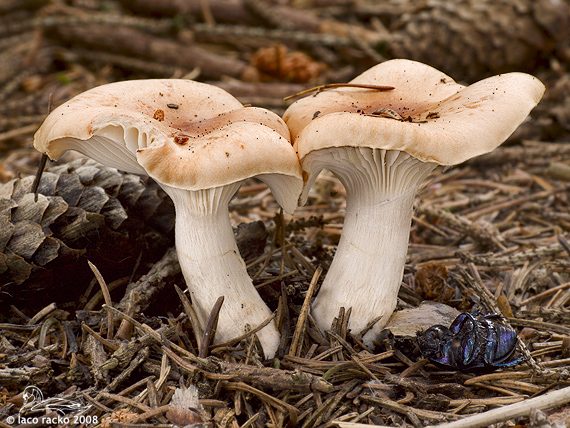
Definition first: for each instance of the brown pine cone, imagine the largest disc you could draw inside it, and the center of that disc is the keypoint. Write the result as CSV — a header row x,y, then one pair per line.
x,y
471,39
84,211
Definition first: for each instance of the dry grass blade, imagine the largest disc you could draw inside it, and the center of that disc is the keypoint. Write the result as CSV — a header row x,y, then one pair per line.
x,y
245,335
339,85
100,338
281,405
210,328
357,425
42,314
107,297
191,315
302,320
38,176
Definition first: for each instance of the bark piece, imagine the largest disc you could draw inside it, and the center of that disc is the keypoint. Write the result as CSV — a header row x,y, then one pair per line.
x,y
26,239
30,209
137,43
6,230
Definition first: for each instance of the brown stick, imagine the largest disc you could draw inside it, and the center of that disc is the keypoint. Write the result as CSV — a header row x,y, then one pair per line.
x,y
301,323
544,402
137,43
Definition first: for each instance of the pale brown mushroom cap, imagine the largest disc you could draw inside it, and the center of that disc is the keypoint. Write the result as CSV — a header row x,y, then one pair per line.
x,y
199,143
450,122
182,133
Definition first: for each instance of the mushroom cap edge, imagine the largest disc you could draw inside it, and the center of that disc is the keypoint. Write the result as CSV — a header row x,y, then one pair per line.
x,y
471,122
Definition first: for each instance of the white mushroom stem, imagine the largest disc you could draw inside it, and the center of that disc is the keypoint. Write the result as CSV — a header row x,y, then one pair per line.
x,y
212,266
367,269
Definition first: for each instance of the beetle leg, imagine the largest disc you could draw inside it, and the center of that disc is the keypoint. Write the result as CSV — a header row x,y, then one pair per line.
x,y
508,364
494,317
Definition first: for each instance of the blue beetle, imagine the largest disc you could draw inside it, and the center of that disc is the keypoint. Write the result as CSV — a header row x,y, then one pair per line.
x,y
472,342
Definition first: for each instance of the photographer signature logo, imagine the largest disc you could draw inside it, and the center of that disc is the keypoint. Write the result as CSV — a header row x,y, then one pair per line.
x,y
35,402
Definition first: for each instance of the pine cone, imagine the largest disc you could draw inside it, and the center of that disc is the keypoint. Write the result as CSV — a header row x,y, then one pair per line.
x,y
84,211
471,39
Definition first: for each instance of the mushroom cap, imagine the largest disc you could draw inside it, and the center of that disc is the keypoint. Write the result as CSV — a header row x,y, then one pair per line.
x,y
450,123
182,133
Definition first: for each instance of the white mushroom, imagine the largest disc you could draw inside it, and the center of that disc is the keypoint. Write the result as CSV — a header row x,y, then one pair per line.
x,y
199,143
381,146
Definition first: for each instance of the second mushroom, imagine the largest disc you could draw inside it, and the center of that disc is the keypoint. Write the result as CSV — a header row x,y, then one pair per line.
x,y
382,145
199,143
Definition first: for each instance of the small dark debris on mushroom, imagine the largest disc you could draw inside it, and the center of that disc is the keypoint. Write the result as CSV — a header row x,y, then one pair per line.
x,y
181,139
159,115
387,113
174,106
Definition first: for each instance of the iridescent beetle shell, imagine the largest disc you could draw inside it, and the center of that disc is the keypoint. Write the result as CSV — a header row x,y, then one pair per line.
x,y
470,343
